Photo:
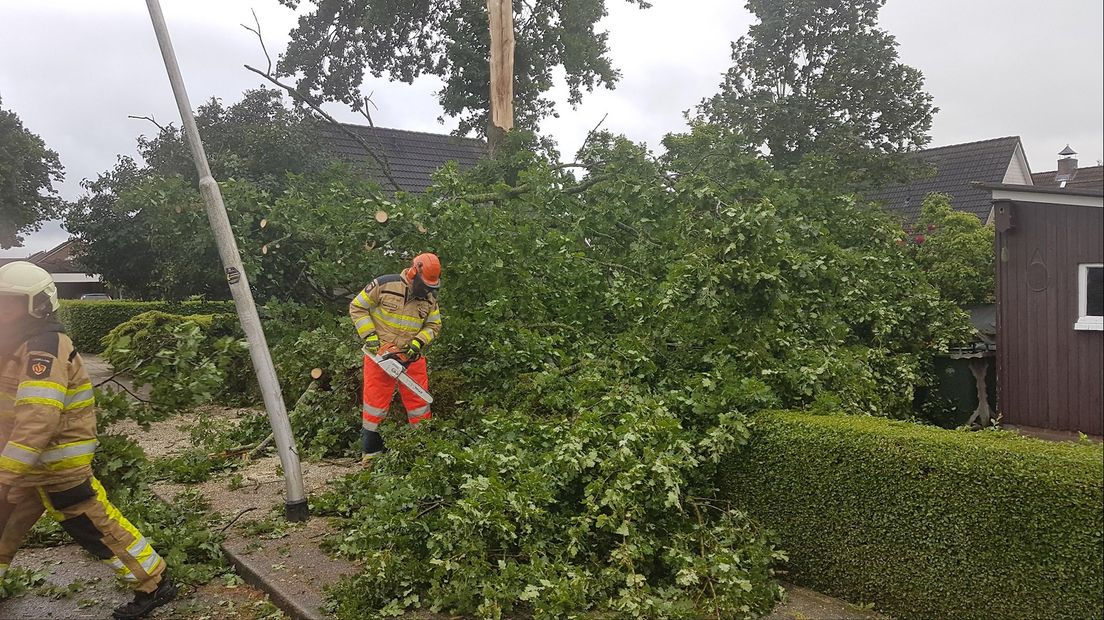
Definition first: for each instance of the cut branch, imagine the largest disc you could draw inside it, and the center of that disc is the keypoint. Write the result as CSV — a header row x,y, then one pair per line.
x,y
260,447
236,517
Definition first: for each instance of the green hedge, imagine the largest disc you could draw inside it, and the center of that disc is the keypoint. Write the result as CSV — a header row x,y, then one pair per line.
x,y
89,321
929,523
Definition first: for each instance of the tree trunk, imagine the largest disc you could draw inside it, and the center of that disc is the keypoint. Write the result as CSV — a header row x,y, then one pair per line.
x,y
501,17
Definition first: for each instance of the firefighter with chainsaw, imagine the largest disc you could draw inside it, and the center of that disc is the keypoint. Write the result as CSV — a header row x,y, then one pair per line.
x,y
48,439
397,317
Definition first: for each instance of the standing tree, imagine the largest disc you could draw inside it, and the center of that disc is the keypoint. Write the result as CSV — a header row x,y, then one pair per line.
x,y
955,252
818,77
28,171
335,44
143,226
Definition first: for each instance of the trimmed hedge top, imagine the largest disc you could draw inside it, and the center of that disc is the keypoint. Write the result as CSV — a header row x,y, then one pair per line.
x,y
960,445
89,321
929,523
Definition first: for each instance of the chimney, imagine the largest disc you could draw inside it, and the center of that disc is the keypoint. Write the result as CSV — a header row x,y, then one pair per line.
x,y
1067,165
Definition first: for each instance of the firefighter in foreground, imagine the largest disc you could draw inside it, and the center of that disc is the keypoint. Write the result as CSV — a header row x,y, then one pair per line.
x,y
396,315
48,438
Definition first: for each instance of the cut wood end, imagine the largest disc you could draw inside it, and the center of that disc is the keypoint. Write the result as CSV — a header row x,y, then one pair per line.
x,y
316,373
381,216
264,249
264,222
422,229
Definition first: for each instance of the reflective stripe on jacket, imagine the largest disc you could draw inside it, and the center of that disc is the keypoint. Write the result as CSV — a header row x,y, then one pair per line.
x,y
386,308
47,414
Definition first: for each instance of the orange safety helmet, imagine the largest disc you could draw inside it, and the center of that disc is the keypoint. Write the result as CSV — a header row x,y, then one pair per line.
x,y
428,266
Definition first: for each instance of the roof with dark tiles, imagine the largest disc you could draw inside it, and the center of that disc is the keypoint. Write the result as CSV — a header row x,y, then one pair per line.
x,y
58,259
956,170
1083,178
412,156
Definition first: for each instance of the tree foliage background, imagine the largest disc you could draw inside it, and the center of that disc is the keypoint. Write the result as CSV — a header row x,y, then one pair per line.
x,y
142,225
28,171
336,43
820,77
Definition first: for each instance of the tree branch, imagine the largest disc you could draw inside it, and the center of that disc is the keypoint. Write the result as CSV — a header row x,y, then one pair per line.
x,y
298,96
236,517
364,112
132,394
150,119
514,192
612,265
592,132
260,38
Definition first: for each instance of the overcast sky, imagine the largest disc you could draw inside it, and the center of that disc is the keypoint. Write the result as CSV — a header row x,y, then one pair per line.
x,y
73,70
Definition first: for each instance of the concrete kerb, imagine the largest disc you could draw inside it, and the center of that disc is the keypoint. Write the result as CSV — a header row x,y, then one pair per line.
x,y
292,570
254,574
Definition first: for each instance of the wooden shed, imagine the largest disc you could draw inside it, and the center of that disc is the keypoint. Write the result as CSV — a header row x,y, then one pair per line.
x,y
1050,307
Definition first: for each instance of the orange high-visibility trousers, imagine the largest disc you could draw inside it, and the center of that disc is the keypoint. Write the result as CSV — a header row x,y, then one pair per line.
x,y
379,387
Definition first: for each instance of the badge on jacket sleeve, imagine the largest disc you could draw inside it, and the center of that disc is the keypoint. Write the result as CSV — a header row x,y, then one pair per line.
x,y
39,367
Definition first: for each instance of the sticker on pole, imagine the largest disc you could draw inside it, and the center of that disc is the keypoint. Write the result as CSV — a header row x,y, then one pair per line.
x,y
233,276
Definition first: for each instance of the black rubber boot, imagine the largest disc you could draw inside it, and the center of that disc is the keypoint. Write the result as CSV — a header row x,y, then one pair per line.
x,y
371,442
144,602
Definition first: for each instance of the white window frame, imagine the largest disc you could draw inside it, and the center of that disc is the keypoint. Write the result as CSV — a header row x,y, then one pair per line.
x,y
1085,322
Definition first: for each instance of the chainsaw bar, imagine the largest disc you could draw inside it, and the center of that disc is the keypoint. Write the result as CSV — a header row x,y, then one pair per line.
x,y
395,368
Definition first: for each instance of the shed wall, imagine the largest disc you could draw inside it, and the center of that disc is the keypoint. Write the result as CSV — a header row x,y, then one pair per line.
x,y
1048,374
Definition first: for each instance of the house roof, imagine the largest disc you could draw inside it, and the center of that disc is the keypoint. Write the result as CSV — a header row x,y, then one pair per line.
x,y
957,168
1047,195
412,156
58,259
1089,192
1083,178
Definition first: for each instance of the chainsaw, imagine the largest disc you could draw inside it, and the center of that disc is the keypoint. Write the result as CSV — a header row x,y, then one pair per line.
x,y
393,362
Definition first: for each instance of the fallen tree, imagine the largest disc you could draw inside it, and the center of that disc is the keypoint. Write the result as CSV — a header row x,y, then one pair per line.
x,y
601,351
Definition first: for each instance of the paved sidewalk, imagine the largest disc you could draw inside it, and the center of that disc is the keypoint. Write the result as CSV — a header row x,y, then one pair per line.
x,y
805,604
80,588
293,570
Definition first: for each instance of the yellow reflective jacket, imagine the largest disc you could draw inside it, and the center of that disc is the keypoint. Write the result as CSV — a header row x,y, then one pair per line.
x,y
47,413
387,308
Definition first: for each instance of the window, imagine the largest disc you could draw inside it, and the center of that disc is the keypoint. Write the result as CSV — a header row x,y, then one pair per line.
x,y
1090,297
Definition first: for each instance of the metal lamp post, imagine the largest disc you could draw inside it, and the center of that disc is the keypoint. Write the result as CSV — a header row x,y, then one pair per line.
x,y
296,500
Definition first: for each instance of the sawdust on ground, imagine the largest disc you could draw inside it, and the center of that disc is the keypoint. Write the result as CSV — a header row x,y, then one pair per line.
x,y
254,489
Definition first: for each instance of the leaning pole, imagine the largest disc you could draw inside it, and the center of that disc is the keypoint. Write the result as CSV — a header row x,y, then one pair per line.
x,y
296,501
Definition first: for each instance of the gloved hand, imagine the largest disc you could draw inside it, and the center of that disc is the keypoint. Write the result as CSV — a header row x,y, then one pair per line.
x,y
390,350
413,350
372,342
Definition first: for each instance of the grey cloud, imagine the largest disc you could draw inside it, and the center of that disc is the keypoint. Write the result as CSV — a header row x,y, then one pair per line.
x,y
1012,67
